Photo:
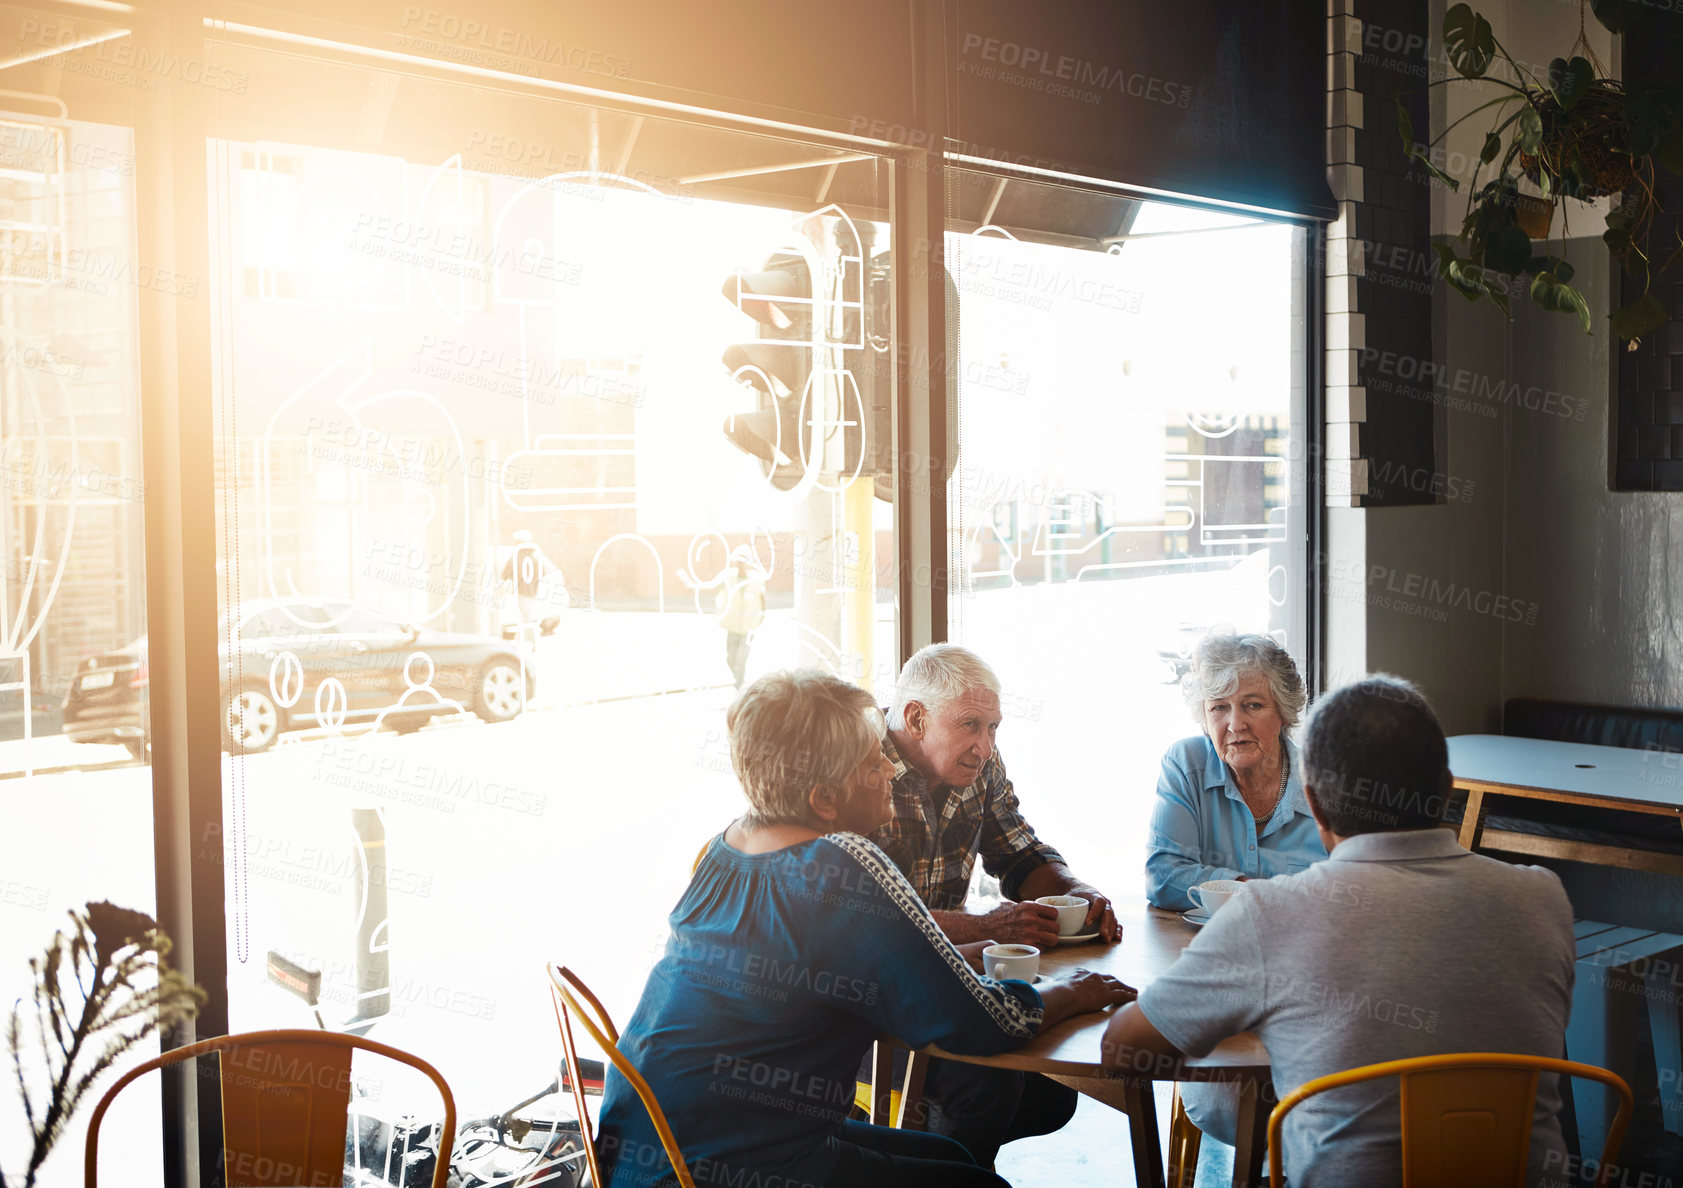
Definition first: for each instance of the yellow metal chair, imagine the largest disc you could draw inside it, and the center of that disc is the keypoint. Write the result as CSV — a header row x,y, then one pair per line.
x,y
285,1098
1185,1140
1466,1117
571,997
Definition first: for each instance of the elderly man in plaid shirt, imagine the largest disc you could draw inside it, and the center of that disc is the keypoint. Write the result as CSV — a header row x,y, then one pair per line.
x,y
953,803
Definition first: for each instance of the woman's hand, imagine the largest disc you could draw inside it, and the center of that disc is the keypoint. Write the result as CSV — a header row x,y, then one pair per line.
x,y
1080,991
1095,991
972,953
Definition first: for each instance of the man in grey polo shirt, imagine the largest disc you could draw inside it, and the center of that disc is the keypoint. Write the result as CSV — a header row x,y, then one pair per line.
x,y
1400,944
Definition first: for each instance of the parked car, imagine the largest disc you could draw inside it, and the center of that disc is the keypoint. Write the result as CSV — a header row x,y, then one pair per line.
x,y
305,662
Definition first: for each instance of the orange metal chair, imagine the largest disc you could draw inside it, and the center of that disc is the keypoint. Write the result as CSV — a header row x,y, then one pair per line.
x,y
568,990
285,1100
1466,1117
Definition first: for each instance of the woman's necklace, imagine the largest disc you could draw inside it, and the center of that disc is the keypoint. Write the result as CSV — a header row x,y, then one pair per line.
x,y
1285,774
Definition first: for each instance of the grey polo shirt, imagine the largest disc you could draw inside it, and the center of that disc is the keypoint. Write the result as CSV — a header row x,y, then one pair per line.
x,y
1399,944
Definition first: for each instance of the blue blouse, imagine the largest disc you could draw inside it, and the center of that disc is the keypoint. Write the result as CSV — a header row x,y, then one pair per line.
x,y
1201,828
781,970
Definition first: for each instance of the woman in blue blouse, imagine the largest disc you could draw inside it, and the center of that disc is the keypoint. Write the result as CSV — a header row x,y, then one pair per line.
x,y
797,943
1230,801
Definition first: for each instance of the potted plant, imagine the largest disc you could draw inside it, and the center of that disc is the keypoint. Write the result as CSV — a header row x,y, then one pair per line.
x,y
97,992
1575,135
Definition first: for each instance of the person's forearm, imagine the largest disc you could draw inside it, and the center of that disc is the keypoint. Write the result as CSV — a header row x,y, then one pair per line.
x,y
1132,1043
961,927
1058,1001
1169,877
1049,878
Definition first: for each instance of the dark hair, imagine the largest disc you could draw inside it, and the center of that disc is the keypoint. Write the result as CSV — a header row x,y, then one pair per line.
x,y
1375,757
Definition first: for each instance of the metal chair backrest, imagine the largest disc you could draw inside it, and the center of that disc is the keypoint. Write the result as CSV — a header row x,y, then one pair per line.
x,y
1466,1116
568,990
285,1099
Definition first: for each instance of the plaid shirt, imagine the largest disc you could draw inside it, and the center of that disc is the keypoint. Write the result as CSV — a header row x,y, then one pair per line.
x,y
935,842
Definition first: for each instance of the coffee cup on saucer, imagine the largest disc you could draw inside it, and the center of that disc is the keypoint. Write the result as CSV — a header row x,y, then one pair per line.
x,y
1006,962
1211,895
1072,912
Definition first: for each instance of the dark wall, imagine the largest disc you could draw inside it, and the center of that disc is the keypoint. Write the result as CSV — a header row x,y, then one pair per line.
x,y
1222,99
1217,98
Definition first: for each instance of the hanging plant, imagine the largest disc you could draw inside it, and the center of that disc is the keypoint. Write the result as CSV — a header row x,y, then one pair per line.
x,y
1574,135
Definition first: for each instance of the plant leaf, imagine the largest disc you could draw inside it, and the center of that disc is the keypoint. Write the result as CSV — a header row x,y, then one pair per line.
x,y
1568,81
1405,122
1564,271
1616,15
1509,251
1468,41
1550,292
1492,146
1640,317
1529,134
1412,149
1644,123
1669,151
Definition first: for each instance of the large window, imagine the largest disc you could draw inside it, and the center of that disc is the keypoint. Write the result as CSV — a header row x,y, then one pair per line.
x,y
1129,474
73,673
539,427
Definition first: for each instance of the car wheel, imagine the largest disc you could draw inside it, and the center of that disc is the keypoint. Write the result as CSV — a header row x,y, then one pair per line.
x,y
251,721
497,697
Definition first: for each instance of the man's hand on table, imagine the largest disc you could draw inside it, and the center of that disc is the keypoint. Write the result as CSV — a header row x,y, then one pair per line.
x,y
1100,915
1022,924
1054,878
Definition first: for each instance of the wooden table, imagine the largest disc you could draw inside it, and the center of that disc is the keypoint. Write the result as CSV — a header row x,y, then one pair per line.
x,y
1494,765
1069,1052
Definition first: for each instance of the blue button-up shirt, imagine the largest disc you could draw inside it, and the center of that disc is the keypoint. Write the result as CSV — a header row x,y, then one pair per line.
x,y
1201,828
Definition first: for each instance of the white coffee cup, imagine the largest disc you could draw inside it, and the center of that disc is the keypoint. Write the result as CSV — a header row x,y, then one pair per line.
x,y
1211,895
1003,962
1072,912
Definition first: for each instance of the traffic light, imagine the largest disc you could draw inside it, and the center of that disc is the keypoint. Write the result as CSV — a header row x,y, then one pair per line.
x,y
868,439
777,368
869,448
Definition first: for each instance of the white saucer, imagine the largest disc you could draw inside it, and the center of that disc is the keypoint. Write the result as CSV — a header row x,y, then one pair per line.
x,y
1079,937
1197,917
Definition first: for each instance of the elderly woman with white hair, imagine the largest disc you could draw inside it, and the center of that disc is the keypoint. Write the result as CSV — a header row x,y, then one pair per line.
x,y
1230,801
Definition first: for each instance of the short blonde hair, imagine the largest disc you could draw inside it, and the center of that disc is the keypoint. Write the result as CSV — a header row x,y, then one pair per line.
x,y
938,675
795,730
1221,660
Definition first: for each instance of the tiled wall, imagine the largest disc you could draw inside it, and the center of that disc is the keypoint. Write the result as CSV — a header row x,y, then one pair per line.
x,y
1379,289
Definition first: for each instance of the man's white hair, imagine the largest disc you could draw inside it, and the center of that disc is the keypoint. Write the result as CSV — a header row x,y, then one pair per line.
x,y
937,676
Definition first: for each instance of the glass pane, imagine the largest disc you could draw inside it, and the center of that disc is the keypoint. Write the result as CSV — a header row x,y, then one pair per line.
x,y
536,419
1128,477
73,673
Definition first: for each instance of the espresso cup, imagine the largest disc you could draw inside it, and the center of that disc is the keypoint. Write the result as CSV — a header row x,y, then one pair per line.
x,y
1072,912
1003,962
1211,895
